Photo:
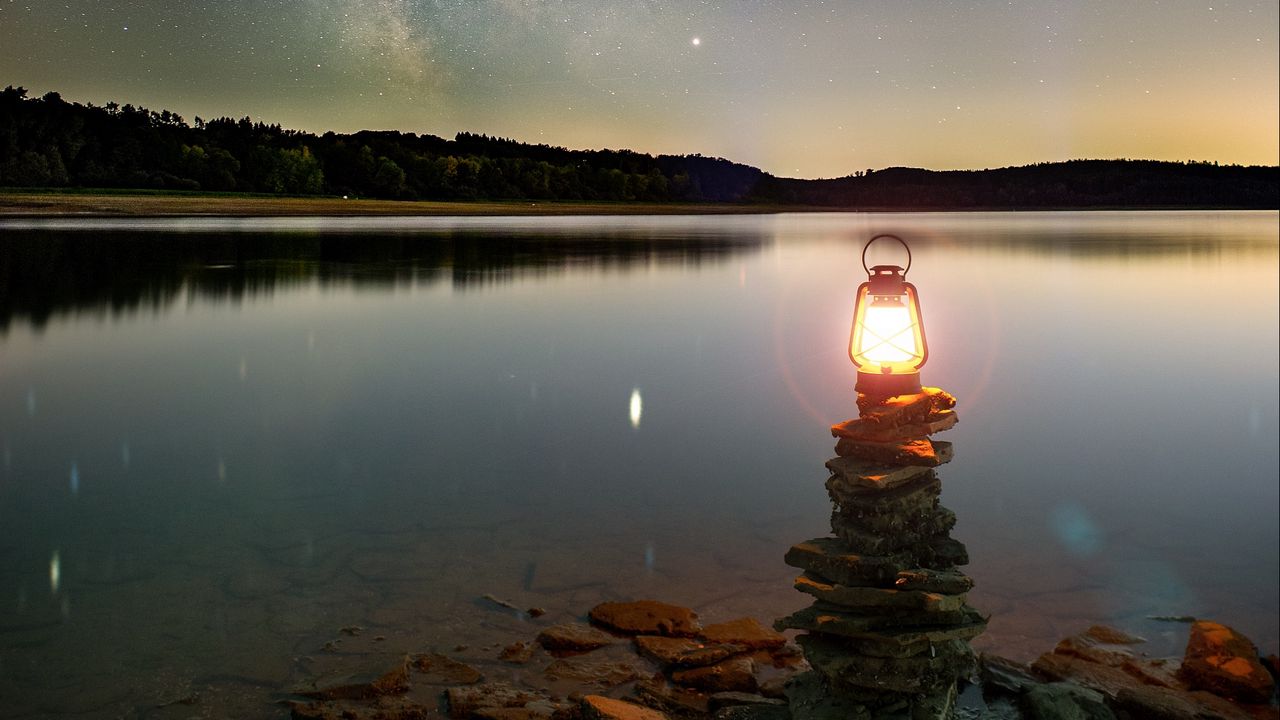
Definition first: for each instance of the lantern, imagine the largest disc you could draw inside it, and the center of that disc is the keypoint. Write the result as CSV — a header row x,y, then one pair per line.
x,y
887,342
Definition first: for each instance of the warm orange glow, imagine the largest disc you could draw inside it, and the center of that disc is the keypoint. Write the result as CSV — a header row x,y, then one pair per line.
x,y
887,335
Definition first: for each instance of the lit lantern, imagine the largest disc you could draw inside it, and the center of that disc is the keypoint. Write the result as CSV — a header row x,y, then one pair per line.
x,y
887,341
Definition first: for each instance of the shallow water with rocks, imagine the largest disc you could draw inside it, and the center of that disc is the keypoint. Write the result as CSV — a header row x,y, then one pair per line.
x,y
224,441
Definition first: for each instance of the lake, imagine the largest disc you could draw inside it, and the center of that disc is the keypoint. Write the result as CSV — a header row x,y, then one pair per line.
x,y
223,440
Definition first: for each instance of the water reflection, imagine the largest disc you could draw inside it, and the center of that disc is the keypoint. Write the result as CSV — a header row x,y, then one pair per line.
x,y
45,272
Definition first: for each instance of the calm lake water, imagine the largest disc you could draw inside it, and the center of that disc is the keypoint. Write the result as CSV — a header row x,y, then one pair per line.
x,y
225,439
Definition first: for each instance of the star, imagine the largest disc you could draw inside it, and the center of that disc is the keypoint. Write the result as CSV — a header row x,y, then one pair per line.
x,y
696,41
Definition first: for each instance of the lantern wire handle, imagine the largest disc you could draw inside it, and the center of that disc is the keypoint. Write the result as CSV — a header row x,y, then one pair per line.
x,y
889,237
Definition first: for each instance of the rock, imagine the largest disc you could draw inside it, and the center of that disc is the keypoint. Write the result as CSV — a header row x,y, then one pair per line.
x,y
907,642
593,671
851,476
917,498
935,422
684,652
922,452
903,409
733,674
1224,662
598,707
810,698
1010,676
384,708
436,669
926,672
734,699
1153,703
391,682
646,617
753,712
1065,701
872,598
836,621
465,702
947,582
573,637
657,692
828,558
911,532
935,706
746,632
518,653
1100,644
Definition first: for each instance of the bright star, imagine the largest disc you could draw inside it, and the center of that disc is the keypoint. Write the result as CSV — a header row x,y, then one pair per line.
x,y
696,41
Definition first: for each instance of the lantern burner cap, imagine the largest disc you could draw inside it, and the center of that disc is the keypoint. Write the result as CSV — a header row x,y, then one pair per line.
x,y
886,384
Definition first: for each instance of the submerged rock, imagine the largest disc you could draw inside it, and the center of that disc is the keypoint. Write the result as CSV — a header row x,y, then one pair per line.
x,y
437,669
573,637
465,702
685,652
746,632
732,674
363,687
646,617
590,670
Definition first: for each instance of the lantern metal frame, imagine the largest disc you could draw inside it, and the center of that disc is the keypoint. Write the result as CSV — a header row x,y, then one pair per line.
x,y
887,281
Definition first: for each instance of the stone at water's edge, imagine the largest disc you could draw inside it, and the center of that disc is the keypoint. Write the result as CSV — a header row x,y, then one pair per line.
x,y
598,707
646,617
733,674
573,637
684,652
747,632
1224,662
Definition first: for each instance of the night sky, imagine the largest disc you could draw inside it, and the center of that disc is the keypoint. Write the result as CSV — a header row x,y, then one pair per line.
x,y
808,89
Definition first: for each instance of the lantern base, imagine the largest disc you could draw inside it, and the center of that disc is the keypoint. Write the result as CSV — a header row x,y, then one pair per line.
x,y
888,384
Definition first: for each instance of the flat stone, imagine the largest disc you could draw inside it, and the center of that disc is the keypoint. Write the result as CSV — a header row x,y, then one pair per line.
x,y
465,702
747,632
828,558
947,582
646,617
573,637
935,422
684,652
871,598
732,674
921,673
734,699
436,669
362,687
911,532
903,409
907,452
832,620
753,712
657,692
940,705
851,475
1145,701
1065,701
810,697
911,506
1224,662
598,707
594,671
1006,675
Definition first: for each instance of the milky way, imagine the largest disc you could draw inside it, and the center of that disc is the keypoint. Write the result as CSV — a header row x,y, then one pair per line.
x,y
799,88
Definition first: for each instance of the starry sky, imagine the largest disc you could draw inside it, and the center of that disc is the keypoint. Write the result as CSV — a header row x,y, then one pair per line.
x,y
800,89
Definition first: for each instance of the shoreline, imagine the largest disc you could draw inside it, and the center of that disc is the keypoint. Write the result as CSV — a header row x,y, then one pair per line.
x,y
45,205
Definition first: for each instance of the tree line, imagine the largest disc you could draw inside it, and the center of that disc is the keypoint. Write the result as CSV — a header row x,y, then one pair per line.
x,y
49,142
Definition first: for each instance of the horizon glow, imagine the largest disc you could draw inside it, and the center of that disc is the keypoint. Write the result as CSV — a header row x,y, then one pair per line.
x,y
806,89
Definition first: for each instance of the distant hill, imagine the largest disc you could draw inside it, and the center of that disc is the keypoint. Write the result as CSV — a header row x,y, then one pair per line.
x,y
49,142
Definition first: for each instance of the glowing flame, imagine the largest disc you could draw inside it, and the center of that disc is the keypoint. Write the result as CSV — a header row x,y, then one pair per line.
x,y
887,334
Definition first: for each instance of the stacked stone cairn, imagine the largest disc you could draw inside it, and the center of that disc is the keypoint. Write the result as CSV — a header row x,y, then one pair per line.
x,y
888,634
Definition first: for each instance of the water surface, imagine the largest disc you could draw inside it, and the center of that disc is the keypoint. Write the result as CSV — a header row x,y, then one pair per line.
x,y
224,439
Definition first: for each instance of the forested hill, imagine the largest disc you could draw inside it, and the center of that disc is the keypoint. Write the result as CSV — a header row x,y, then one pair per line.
x,y
48,142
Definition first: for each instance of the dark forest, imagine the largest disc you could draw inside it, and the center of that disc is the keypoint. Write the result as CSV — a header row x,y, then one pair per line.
x,y
48,142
